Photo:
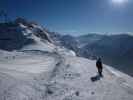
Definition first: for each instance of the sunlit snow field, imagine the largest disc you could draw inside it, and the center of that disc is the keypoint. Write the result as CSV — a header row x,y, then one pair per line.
x,y
36,75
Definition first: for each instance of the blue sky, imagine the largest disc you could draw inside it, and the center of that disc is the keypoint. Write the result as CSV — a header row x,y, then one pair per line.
x,y
74,17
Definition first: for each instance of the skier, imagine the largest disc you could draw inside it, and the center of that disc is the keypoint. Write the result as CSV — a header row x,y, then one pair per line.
x,y
99,66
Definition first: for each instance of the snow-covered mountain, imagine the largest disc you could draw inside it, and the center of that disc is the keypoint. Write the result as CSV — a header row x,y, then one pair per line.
x,y
42,70
20,33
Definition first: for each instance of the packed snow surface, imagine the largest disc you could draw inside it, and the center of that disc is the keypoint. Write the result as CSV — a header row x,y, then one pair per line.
x,y
43,75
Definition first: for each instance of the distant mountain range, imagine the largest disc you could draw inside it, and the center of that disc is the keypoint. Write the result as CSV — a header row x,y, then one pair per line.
x,y
115,50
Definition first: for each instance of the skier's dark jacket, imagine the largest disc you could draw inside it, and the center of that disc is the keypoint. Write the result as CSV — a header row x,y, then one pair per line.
x,y
99,64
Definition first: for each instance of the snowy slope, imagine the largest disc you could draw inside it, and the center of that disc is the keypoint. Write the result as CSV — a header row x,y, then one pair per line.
x,y
40,75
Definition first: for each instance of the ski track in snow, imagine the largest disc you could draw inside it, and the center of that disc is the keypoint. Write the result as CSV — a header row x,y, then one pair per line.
x,y
24,71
